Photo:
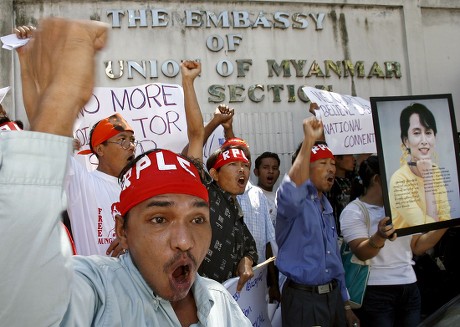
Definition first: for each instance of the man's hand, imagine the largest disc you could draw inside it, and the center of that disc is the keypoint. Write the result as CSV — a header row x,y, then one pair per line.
x,y
115,248
386,231
57,70
313,107
352,320
24,32
313,128
190,69
274,294
224,115
245,272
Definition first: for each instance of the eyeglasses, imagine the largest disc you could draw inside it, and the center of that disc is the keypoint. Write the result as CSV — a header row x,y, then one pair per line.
x,y
125,143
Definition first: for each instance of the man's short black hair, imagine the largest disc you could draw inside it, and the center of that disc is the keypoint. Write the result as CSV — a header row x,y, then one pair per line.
x,y
264,155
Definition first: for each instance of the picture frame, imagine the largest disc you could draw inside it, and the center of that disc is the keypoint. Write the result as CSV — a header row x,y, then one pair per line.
x,y
419,161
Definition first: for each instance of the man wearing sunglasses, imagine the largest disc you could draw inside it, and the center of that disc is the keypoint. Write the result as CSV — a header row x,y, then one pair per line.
x,y
92,194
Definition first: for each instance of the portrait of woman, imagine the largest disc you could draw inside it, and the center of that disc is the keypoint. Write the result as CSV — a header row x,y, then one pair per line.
x,y
417,191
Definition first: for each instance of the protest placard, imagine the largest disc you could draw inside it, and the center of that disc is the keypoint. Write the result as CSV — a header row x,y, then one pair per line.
x,y
253,297
155,112
347,120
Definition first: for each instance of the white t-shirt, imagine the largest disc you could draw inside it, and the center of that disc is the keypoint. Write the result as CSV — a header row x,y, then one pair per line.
x,y
393,264
90,197
271,198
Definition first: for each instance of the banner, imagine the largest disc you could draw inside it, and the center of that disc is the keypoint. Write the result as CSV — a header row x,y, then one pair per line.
x,y
155,112
347,121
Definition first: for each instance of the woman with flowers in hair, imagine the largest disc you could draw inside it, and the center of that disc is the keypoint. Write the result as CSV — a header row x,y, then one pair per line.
x,y
417,190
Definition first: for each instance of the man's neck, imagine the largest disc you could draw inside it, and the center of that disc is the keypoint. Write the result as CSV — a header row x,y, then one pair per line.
x,y
268,189
320,194
106,170
185,310
340,172
372,198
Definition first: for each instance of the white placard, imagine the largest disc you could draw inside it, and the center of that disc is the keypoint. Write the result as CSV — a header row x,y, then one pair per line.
x,y
154,111
347,120
253,297
11,42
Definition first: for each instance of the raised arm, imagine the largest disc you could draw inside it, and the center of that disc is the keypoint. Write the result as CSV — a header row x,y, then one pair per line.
x,y
313,130
195,130
36,274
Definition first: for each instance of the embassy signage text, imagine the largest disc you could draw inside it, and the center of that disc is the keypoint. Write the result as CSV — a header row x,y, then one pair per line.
x,y
239,22
208,19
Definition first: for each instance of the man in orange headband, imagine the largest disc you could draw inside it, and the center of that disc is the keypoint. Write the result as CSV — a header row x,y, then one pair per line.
x,y
91,195
314,293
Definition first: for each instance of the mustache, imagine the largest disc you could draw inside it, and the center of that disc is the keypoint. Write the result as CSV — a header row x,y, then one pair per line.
x,y
171,262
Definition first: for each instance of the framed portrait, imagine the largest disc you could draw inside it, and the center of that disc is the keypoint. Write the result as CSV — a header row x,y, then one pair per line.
x,y
418,149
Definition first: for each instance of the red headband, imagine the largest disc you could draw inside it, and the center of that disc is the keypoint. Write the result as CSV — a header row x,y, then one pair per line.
x,y
10,126
106,129
228,156
160,172
320,151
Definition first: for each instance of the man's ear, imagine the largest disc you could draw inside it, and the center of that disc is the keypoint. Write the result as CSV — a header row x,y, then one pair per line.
x,y
99,150
121,231
214,174
256,172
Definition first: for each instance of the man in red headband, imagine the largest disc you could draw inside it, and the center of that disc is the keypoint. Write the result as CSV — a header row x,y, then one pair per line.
x,y
314,293
164,220
233,250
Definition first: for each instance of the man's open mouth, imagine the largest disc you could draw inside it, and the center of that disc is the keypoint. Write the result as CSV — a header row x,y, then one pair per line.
x,y
181,274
